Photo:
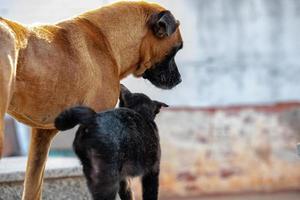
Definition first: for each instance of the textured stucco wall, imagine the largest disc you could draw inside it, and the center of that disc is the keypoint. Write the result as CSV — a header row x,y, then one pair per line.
x,y
236,51
229,150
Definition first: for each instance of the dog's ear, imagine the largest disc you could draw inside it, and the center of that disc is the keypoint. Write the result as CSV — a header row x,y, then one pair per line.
x,y
125,95
73,116
159,105
163,24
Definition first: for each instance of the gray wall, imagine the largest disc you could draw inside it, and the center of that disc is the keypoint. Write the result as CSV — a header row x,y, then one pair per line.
x,y
235,51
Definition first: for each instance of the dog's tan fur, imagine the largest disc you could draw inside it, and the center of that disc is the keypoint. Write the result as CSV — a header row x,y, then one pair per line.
x,y
48,68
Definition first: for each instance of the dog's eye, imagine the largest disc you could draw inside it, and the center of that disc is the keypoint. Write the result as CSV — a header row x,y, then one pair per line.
x,y
86,130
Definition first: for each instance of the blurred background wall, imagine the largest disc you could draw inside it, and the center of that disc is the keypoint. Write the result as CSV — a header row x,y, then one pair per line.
x,y
236,52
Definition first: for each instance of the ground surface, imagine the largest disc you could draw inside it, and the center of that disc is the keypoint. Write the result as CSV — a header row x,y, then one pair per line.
x,y
277,196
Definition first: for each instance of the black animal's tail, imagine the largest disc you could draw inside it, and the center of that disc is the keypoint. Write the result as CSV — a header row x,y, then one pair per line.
x,y
73,116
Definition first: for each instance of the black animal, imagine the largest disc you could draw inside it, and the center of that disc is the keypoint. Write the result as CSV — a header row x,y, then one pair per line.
x,y
117,144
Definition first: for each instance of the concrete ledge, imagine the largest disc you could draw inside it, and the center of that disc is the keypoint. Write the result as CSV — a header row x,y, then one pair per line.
x,y
63,179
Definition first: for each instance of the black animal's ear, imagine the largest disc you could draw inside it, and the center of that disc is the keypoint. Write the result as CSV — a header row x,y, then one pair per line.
x,y
163,24
73,116
125,95
159,105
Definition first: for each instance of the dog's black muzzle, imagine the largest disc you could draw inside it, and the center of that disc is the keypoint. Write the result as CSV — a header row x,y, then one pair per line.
x,y
164,75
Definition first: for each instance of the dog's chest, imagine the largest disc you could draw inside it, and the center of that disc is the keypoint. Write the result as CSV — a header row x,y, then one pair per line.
x,y
132,169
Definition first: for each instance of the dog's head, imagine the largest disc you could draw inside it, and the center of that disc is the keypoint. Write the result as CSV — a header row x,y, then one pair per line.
x,y
140,103
158,50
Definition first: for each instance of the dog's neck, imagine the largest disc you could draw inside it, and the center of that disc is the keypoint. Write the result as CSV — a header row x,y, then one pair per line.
x,y
124,31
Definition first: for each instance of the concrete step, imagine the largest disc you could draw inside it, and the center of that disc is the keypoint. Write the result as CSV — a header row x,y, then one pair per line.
x,y
63,179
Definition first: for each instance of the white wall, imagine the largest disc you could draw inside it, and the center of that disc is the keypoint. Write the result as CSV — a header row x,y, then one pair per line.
x,y
235,51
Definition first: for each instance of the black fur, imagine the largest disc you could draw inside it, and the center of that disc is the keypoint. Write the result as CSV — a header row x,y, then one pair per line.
x,y
71,117
165,74
117,144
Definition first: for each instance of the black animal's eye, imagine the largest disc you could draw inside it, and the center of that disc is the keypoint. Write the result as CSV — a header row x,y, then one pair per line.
x,y
86,130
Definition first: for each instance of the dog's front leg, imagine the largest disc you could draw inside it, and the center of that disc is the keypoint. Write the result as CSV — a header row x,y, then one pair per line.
x,y
6,83
125,191
150,184
39,148
8,62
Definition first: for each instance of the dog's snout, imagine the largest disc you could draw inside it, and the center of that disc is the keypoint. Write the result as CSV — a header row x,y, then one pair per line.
x,y
179,80
145,75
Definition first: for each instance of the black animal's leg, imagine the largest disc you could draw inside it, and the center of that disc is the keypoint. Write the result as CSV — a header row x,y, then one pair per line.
x,y
104,190
125,191
150,184
102,178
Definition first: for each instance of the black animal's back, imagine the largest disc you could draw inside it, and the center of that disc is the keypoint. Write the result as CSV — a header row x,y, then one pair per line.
x,y
124,136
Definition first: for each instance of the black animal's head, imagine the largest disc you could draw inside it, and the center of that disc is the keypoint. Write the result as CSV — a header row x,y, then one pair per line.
x,y
140,103
158,50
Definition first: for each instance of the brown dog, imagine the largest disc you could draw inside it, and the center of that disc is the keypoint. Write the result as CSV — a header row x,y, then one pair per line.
x,y
46,69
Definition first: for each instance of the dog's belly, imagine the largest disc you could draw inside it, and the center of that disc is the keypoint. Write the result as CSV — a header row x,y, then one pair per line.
x,y
30,121
37,106
37,100
40,112
36,112
132,169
